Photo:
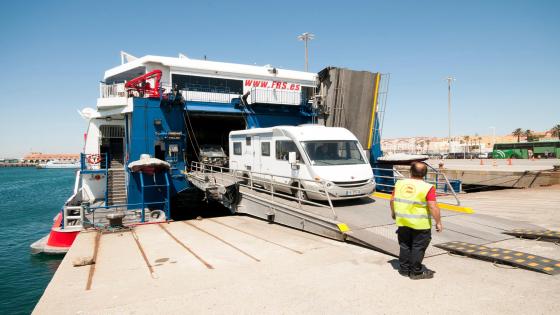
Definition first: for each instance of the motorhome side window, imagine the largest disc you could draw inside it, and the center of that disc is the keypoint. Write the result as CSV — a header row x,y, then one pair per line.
x,y
284,147
237,148
265,148
248,140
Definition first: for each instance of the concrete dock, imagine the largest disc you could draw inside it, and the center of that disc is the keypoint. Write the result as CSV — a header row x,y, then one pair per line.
x,y
239,264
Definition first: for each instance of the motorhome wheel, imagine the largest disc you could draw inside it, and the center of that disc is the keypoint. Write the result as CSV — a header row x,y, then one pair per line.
x,y
301,195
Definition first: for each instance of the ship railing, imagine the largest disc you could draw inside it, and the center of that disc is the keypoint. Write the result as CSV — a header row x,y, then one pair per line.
x,y
276,96
269,184
135,213
91,163
138,210
206,94
443,186
112,90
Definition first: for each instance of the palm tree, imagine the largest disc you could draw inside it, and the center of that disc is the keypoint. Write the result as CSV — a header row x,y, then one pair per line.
x,y
467,141
556,131
528,134
517,133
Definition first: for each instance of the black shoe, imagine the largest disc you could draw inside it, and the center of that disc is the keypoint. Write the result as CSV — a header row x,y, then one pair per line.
x,y
426,274
404,273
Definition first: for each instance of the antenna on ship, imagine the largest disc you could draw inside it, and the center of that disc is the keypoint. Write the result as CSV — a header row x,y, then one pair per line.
x,y
126,57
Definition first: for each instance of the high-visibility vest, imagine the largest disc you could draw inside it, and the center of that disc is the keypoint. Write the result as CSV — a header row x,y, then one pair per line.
x,y
411,207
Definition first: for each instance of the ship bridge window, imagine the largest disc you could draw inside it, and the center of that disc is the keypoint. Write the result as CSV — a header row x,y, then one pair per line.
x,y
207,84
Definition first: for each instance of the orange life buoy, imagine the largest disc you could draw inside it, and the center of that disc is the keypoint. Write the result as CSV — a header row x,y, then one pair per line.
x,y
93,158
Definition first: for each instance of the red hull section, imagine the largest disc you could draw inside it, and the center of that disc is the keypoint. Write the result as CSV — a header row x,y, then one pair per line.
x,y
60,238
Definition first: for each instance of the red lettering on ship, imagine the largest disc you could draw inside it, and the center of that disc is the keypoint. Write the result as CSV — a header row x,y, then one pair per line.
x,y
273,85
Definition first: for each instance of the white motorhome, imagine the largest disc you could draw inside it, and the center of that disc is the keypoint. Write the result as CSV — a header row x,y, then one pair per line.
x,y
315,157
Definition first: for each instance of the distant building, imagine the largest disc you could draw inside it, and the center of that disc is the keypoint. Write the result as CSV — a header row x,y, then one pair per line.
x,y
38,157
459,144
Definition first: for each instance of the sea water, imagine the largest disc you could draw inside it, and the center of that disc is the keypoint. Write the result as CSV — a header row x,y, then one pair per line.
x,y
29,200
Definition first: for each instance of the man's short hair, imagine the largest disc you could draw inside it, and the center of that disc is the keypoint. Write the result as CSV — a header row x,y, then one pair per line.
x,y
418,169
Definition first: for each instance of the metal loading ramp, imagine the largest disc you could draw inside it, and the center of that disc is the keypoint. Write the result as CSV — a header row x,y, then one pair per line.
x,y
365,221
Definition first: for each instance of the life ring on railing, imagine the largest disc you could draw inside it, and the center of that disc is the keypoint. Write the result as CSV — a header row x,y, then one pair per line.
x,y
93,159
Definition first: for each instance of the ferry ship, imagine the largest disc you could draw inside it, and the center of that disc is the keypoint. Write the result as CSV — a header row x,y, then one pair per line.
x,y
59,164
165,109
143,158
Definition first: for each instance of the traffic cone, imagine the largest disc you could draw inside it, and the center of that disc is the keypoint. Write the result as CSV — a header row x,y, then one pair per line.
x,y
481,162
494,163
509,161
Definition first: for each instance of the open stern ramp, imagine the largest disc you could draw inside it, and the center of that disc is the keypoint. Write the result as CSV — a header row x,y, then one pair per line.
x,y
364,221
255,194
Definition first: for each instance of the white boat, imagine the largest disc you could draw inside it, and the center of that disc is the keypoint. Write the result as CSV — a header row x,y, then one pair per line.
x,y
59,164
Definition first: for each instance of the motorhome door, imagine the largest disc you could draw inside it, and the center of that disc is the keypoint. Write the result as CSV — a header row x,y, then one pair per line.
x,y
249,153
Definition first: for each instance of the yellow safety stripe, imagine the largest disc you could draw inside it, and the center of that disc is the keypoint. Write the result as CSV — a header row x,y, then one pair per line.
x,y
373,110
343,227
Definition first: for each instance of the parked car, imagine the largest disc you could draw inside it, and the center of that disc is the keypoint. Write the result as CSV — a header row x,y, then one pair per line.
x,y
213,154
460,155
309,156
484,155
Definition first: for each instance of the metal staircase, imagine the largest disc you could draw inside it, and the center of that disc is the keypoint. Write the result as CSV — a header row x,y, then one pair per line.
x,y
116,185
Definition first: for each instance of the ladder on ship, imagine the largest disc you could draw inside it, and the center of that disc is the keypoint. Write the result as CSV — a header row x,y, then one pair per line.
x,y
116,184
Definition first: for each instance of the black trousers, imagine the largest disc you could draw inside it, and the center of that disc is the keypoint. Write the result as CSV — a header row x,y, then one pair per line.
x,y
413,244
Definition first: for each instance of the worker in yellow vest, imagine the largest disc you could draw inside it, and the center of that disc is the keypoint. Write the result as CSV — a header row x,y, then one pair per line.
x,y
413,205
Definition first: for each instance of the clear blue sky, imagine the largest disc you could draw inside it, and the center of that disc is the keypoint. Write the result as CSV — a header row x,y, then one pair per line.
x,y
504,54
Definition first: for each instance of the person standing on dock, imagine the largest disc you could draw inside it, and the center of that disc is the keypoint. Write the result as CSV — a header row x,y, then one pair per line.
x,y
413,205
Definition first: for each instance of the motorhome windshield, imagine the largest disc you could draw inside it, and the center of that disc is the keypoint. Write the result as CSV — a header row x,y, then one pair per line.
x,y
333,152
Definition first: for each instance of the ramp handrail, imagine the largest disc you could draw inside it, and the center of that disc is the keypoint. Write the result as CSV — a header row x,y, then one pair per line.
x,y
438,173
440,179
269,179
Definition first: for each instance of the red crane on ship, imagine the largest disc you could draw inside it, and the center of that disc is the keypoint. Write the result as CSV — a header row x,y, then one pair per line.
x,y
142,86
